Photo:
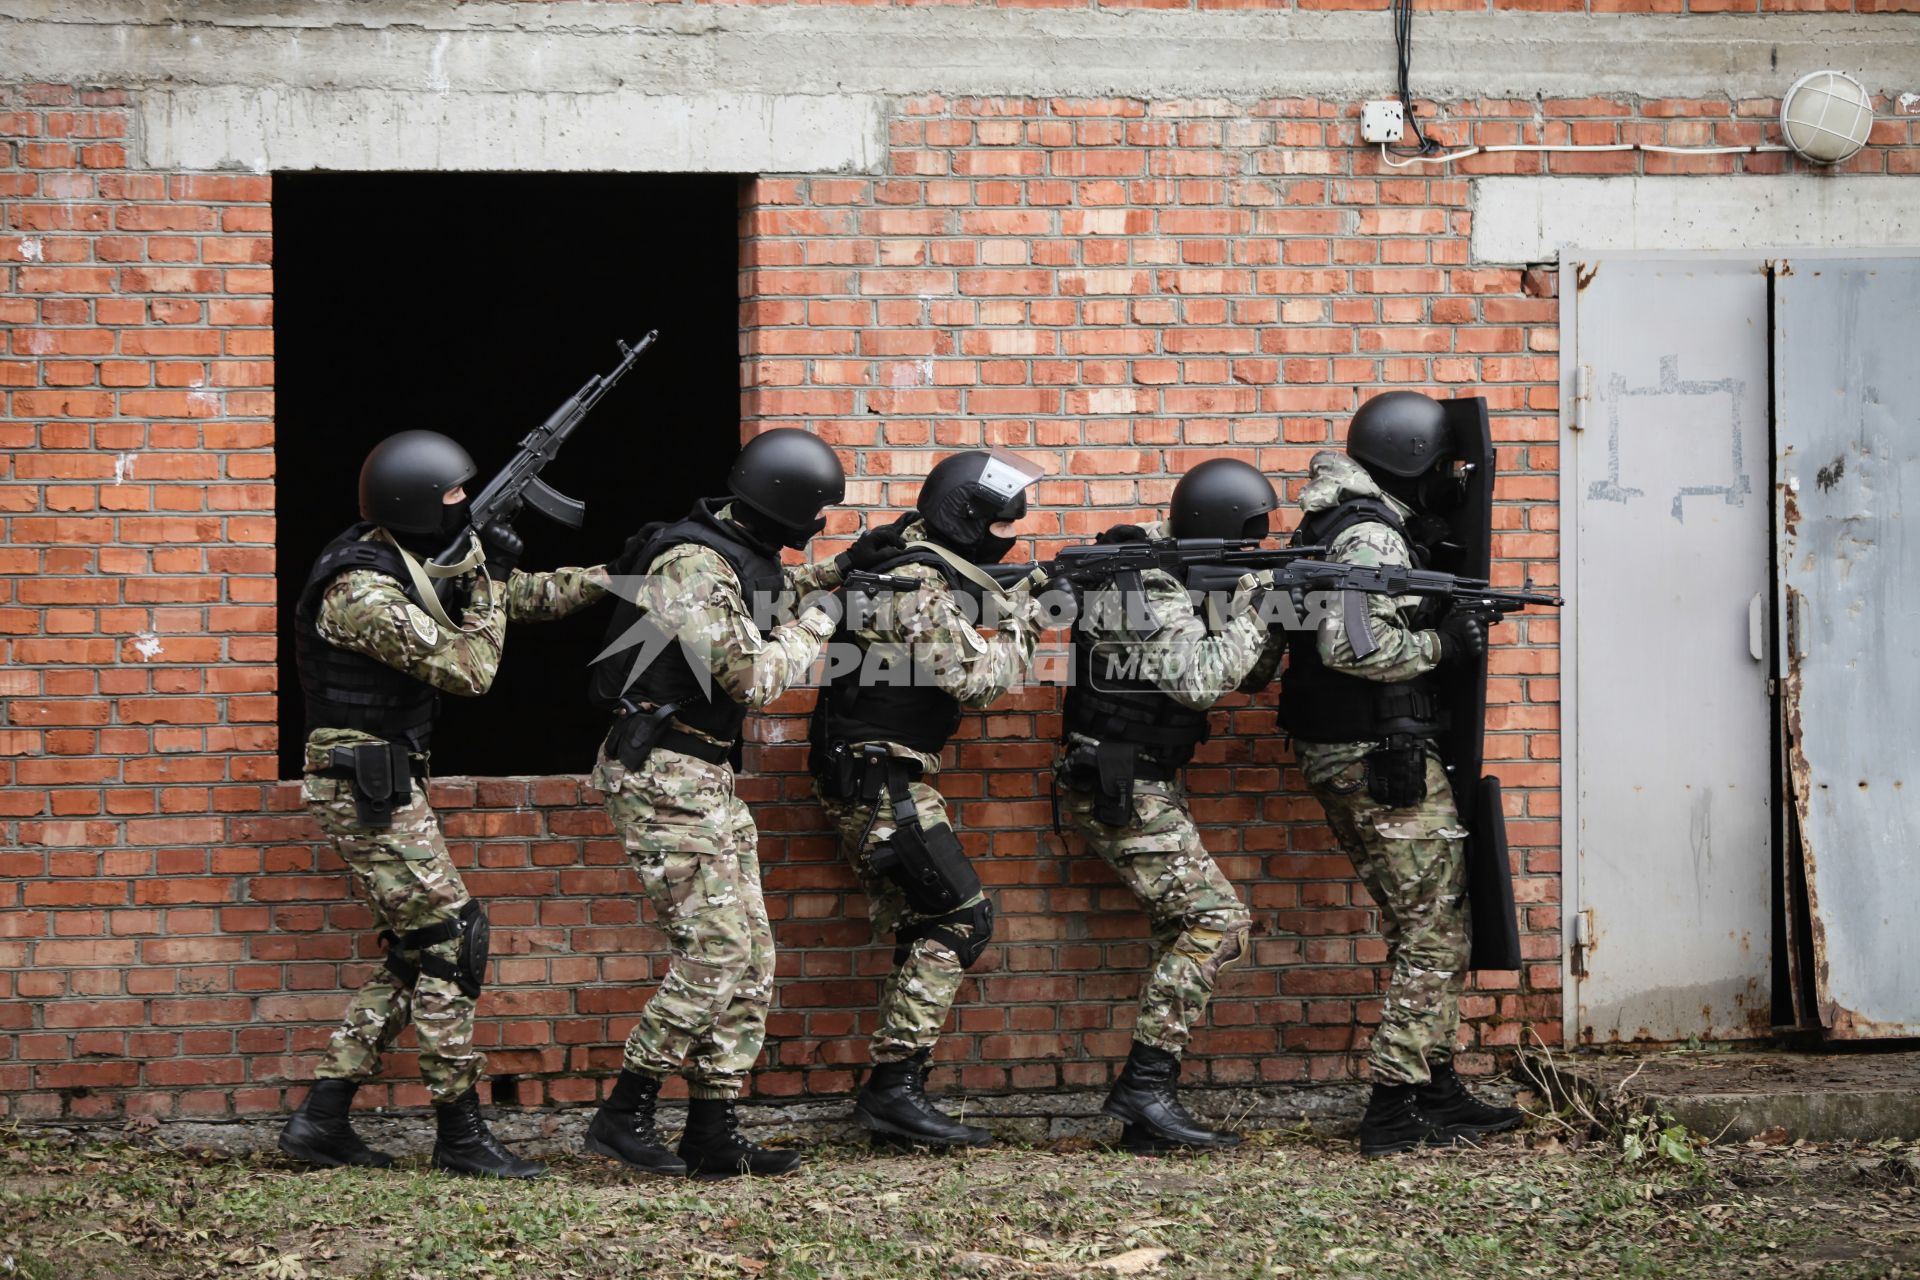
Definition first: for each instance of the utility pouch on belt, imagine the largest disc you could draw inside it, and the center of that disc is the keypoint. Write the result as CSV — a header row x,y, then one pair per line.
x,y
927,863
1397,771
635,734
382,778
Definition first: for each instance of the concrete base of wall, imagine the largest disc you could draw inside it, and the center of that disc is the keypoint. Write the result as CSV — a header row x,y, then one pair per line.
x,y
1731,1097
1028,1118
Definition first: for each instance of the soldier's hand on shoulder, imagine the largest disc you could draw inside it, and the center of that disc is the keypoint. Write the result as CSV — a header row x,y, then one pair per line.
x,y
875,546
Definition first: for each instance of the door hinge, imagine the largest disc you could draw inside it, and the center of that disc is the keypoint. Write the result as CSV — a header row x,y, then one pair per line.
x,y
1579,419
1582,942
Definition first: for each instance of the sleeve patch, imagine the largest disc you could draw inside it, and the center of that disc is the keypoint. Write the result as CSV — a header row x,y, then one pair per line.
x,y
423,626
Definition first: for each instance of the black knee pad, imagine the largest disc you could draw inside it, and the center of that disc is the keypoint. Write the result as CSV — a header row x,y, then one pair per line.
x,y
468,970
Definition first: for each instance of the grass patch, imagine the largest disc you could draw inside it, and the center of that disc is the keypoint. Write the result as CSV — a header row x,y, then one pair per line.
x,y
1287,1204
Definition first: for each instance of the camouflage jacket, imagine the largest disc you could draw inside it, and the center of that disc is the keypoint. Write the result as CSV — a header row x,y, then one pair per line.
x,y
693,594
371,613
947,647
1194,665
1404,651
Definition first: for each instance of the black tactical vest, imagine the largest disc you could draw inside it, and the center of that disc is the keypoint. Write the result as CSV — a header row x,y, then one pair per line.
x,y
904,706
1113,700
703,703
348,690
1318,704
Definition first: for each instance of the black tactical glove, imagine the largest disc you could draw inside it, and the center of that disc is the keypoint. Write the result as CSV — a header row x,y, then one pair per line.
x,y
873,547
1463,637
1123,533
504,549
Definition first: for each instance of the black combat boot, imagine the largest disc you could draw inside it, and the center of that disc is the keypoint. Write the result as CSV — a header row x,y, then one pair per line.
x,y
1445,1101
623,1127
1146,1097
1395,1121
466,1145
713,1148
894,1106
319,1132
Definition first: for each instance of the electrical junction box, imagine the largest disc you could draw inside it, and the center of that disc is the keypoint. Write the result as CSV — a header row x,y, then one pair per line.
x,y
1382,122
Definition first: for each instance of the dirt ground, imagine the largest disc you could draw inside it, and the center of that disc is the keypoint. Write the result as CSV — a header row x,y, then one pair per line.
x,y
1547,1201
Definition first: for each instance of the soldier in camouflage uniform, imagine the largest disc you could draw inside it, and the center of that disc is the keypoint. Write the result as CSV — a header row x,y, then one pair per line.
x,y
1147,666
909,660
375,650
1363,731
690,652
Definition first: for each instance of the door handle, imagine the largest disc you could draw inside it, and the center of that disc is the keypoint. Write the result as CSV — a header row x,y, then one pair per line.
x,y
1757,626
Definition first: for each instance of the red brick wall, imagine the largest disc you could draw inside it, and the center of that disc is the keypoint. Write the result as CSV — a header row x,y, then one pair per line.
x,y
1117,289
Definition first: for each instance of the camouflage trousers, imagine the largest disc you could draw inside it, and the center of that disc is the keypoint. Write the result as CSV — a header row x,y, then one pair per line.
x,y
1413,862
695,848
406,877
1200,927
917,995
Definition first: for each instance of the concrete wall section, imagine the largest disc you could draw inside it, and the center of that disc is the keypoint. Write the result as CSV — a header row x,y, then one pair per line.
x,y
833,50
265,129
1532,219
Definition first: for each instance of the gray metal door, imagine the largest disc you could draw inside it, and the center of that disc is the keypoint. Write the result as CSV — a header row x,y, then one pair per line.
x,y
1670,820
1847,423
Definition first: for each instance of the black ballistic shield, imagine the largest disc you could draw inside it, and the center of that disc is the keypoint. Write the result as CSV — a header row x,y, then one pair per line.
x,y
1468,552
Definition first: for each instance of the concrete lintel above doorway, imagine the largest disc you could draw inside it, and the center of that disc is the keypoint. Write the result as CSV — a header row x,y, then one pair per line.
x,y
260,130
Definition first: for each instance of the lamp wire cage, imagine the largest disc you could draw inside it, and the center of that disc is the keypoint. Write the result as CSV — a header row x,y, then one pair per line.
x,y
1826,116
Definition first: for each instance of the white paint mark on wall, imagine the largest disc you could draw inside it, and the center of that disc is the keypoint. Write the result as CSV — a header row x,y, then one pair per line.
x,y
32,249
204,400
1907,104
437,78
147,645
1532,219
123,467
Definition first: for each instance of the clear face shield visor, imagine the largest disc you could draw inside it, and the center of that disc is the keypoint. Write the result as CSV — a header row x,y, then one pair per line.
x,y
1005,480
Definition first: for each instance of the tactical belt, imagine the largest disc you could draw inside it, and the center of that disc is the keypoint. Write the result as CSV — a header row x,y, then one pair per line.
x,y
382,778
1353,710
635,733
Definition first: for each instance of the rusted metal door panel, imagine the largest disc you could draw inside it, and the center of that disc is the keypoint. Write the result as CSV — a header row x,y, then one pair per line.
x,y
1847,423
1667,455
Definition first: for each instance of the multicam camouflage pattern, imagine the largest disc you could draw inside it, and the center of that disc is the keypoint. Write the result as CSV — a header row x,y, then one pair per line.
x,y
692,840
917,995
1412,860
932,625
406,877
695,848
371,613
1413,863
403,871
1200,926
691,593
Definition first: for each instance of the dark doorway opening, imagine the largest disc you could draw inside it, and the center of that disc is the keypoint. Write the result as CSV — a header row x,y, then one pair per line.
x,y
474,304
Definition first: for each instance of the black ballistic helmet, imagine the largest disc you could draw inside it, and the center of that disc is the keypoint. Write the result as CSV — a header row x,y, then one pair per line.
x,y
965,494
1221,498
404,478
1401,433
788,476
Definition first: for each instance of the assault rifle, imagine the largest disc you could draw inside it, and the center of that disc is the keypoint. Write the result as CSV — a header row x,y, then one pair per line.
x,y
1091,563
519,484
1207,565
1472,595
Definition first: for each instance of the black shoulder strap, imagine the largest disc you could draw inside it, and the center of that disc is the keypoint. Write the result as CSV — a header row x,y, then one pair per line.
x,y
351,550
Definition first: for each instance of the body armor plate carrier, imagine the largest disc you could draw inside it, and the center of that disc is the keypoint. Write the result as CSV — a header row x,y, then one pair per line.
x,y
1318,704
697,698
348,690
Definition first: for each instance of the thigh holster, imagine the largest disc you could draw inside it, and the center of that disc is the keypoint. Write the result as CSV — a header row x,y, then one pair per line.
x,y
926,862
468,970
1107,771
